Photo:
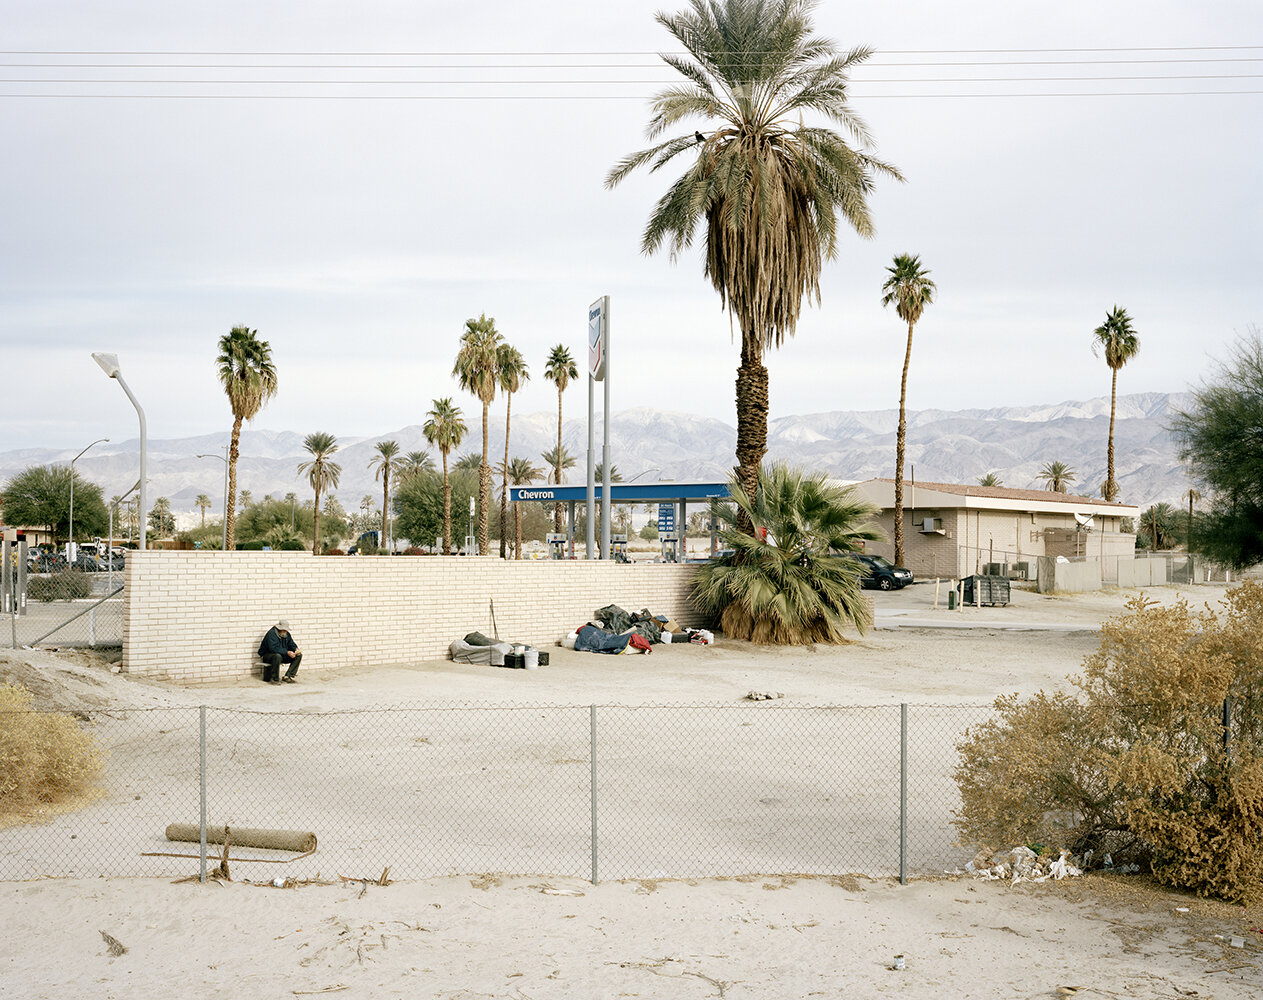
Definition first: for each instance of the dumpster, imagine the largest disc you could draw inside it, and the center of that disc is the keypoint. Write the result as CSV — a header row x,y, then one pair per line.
x,y
990,590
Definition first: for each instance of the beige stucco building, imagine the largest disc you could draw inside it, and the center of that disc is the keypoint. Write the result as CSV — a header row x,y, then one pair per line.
x,y
952,530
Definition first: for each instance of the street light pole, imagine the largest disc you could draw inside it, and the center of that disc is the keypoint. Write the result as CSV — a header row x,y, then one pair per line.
x,y
109,365
70,547
223,458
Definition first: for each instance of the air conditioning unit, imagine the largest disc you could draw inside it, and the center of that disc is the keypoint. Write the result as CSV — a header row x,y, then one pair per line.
x,y
931,526
1020,571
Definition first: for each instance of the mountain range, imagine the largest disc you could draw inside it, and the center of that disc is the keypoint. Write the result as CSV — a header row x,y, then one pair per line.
x,y
956,446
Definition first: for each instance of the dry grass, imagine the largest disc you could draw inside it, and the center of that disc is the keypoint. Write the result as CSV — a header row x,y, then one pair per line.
x,y
47,760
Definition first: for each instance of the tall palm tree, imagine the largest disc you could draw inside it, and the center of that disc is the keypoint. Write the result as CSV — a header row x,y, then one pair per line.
x,y
559,371
1057,475
445,429
788,586
246,498
521,472
513,372
1116,338
909,287
767,187
386,462
322,473
203,503
1193,495
249,379
478,370
291,498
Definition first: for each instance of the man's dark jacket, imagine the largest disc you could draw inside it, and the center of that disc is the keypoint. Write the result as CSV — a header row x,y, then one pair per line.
x,y
274,642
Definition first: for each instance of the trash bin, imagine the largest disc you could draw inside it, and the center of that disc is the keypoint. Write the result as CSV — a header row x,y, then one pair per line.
x,y
990,590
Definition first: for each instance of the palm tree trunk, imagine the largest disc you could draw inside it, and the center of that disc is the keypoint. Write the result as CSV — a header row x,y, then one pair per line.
x,y
484,486
1111,488
230,501
385,501
447,510
557,467
752,407
315,526
900,442
504,482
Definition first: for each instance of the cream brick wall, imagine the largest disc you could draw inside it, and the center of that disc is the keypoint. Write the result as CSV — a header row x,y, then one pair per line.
x,y
199,616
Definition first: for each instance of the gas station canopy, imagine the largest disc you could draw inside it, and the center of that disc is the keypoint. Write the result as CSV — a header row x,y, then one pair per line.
x,y
622,492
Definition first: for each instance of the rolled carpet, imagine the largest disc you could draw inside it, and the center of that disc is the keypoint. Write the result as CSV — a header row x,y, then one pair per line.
x,y
302,841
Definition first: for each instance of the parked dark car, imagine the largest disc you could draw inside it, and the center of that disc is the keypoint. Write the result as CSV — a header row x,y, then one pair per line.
x,y
882,573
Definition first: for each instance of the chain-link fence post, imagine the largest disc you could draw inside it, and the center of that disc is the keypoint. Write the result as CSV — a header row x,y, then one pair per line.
x,y
1227,723
202,787
592,782
903,793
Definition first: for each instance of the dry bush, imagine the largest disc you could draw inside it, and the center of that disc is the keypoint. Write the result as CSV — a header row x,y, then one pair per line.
x,y
45,757
1137,763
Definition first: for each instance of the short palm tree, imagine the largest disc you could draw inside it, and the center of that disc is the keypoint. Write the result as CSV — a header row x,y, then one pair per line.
x,y
469,462
249,379
387,461
416,461
513,372
322,473
521,472
478,370
1116,338
767,187
560,370
1158,522
445,429
246,498
1057,476
789,587
203,503
990,479
909,287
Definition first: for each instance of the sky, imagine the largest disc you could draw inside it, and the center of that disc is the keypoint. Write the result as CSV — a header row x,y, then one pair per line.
x,y
357,235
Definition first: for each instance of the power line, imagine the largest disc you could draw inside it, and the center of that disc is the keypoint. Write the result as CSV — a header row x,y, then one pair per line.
x,y
589,97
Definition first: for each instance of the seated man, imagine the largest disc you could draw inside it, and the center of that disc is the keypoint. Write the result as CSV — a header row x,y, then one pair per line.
x,y
278,647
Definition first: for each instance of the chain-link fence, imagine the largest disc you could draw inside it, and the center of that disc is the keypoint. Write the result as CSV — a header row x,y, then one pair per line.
x,y
600,792
90,614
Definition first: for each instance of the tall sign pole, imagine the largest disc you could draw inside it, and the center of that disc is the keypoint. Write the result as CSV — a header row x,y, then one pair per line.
x,y
598,371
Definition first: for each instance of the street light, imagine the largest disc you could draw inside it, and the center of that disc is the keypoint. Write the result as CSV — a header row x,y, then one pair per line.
x,y
109,365
223,458
109,547
70,547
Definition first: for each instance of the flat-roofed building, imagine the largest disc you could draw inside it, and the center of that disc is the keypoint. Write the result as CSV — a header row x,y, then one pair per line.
x,y
952,530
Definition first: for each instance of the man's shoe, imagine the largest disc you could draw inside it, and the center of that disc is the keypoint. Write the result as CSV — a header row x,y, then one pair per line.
x,y
288,680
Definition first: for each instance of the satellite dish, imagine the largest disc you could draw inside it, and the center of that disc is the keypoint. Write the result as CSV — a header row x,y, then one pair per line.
x,y
1084,521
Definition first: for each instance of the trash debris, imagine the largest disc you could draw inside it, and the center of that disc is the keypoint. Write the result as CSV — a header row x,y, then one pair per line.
x,y
764,695
1237,942
116,946
1019,865
899,964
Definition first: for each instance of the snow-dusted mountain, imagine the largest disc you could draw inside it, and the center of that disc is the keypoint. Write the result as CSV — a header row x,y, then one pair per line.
x,y
943,446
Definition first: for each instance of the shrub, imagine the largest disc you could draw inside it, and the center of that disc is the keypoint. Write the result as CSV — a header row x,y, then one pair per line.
x,y
293,545
1139,763
45,757
65,585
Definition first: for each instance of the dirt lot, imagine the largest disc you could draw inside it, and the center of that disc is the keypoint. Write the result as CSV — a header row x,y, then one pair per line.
x,y
560,936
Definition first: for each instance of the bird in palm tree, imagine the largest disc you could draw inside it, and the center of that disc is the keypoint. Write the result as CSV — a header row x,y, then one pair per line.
x,y
249,379
560,370
477,369
513,372
909,287
203,503
386,461
1057,475
767,188
445,429
1116,338
520,472
322,473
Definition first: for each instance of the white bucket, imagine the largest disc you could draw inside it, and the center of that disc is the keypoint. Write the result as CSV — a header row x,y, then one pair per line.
x,y
531,658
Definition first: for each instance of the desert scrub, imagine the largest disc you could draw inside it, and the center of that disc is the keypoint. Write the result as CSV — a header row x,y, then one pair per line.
x,y
1138,763
67,585
45,757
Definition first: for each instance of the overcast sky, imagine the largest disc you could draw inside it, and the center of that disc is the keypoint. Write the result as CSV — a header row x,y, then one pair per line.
x,y
358,235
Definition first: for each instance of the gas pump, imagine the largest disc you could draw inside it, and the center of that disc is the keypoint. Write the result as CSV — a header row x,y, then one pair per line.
x,y
618,548
556,544
670,546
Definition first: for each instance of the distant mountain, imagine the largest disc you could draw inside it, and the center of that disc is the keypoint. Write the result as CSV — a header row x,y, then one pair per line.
x,y
1014,442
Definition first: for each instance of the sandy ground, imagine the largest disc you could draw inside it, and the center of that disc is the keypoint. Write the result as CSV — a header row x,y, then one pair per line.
x,y
537,938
